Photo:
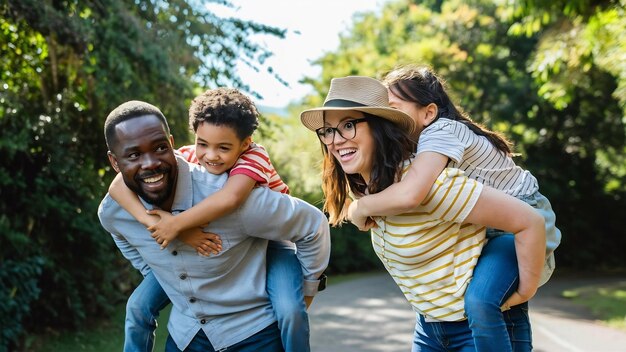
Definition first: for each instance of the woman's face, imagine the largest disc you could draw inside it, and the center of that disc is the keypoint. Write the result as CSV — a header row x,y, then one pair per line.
x,y
356,154
417,112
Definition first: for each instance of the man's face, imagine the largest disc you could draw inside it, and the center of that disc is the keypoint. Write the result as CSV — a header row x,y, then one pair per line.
x,y
143,153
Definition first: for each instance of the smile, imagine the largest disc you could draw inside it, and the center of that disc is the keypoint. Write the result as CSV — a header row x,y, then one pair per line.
x,y
153,179
346,151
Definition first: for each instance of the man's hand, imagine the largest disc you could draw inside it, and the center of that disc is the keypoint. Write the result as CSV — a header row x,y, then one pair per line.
x,y
307,301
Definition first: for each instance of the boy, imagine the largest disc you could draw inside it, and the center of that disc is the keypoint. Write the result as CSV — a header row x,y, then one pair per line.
x,y
223,120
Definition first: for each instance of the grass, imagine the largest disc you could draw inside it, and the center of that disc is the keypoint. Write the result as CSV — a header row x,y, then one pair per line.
x,y
607,302
109,335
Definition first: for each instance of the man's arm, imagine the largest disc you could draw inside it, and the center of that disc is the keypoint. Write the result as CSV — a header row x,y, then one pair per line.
x,y
106,212
274,216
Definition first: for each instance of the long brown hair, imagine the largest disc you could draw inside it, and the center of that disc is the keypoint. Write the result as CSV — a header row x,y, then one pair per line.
x,y
392,146
419,84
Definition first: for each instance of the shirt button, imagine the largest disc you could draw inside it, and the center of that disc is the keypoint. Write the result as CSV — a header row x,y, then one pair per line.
x,y
183,276
175,253
192,300
203,321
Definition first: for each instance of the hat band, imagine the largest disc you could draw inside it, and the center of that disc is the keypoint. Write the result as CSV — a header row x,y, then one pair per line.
x,y
341,103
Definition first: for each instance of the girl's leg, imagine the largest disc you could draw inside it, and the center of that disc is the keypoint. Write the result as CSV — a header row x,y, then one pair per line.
x,y
284,287
142,310
495,278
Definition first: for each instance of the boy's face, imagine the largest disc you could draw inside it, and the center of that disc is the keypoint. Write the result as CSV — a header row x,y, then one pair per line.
x,y
218,147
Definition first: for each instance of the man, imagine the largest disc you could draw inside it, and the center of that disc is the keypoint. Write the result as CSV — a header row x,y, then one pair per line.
x,y
218,301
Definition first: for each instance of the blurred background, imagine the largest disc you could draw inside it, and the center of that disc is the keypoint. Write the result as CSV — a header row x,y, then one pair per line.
x,y
550,75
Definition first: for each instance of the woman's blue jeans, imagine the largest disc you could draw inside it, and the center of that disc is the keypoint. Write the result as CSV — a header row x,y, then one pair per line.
x,y
457,336
495,279
142,311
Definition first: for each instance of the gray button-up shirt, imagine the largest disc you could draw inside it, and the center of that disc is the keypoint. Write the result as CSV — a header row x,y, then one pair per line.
x,y
224,294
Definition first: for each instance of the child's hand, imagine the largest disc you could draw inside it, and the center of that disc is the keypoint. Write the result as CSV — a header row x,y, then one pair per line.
x,y
149,220
205,243
363,223
166,229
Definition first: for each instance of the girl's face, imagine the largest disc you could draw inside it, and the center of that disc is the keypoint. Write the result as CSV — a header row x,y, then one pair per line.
x,y
356,154
218,147
422,115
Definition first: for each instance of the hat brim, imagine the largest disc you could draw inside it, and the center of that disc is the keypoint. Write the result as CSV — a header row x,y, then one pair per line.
x,y
314,118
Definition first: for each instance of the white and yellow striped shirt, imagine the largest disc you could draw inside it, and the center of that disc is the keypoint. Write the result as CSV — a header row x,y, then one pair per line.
x,y
428,252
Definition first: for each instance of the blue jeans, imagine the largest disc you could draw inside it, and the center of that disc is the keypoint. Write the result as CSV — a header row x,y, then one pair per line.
x,y
457,336
142,310
284,287
442,336
266,340
495,279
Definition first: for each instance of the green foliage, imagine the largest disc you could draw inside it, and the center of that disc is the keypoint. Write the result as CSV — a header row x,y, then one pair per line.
x,y
63,66
351,251
607,302
547,75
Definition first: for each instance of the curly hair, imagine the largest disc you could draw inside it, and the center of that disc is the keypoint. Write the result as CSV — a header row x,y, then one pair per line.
x,y
227,107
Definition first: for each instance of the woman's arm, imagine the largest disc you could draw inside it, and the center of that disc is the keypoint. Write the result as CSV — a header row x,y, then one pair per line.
x,y
130,202
498,210
402,196
223,202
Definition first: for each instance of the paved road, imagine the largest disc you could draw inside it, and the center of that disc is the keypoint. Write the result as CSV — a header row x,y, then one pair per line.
x,y
371,315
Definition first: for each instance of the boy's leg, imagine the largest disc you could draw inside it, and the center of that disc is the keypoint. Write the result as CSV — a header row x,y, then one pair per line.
x,y
142,310
495,279
284,287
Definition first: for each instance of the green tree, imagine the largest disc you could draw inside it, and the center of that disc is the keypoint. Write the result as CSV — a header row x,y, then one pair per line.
x,y
563,111
63,66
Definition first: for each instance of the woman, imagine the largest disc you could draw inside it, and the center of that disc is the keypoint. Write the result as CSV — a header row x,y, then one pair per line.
x,y
449,137
430,251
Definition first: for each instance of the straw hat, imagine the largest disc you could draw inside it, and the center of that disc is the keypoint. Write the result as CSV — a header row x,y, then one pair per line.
x,y
358,93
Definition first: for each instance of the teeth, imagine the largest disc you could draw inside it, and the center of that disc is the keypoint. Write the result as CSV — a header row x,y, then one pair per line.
x,y
153,179
343,152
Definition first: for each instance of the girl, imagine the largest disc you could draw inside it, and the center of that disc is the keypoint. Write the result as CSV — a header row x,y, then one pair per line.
x,y
447,137
431,249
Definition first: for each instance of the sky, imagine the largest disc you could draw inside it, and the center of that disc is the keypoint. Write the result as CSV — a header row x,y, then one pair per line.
x,y
313,28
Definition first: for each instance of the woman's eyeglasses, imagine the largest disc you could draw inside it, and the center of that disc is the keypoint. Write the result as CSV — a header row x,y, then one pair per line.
x,y
346,129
